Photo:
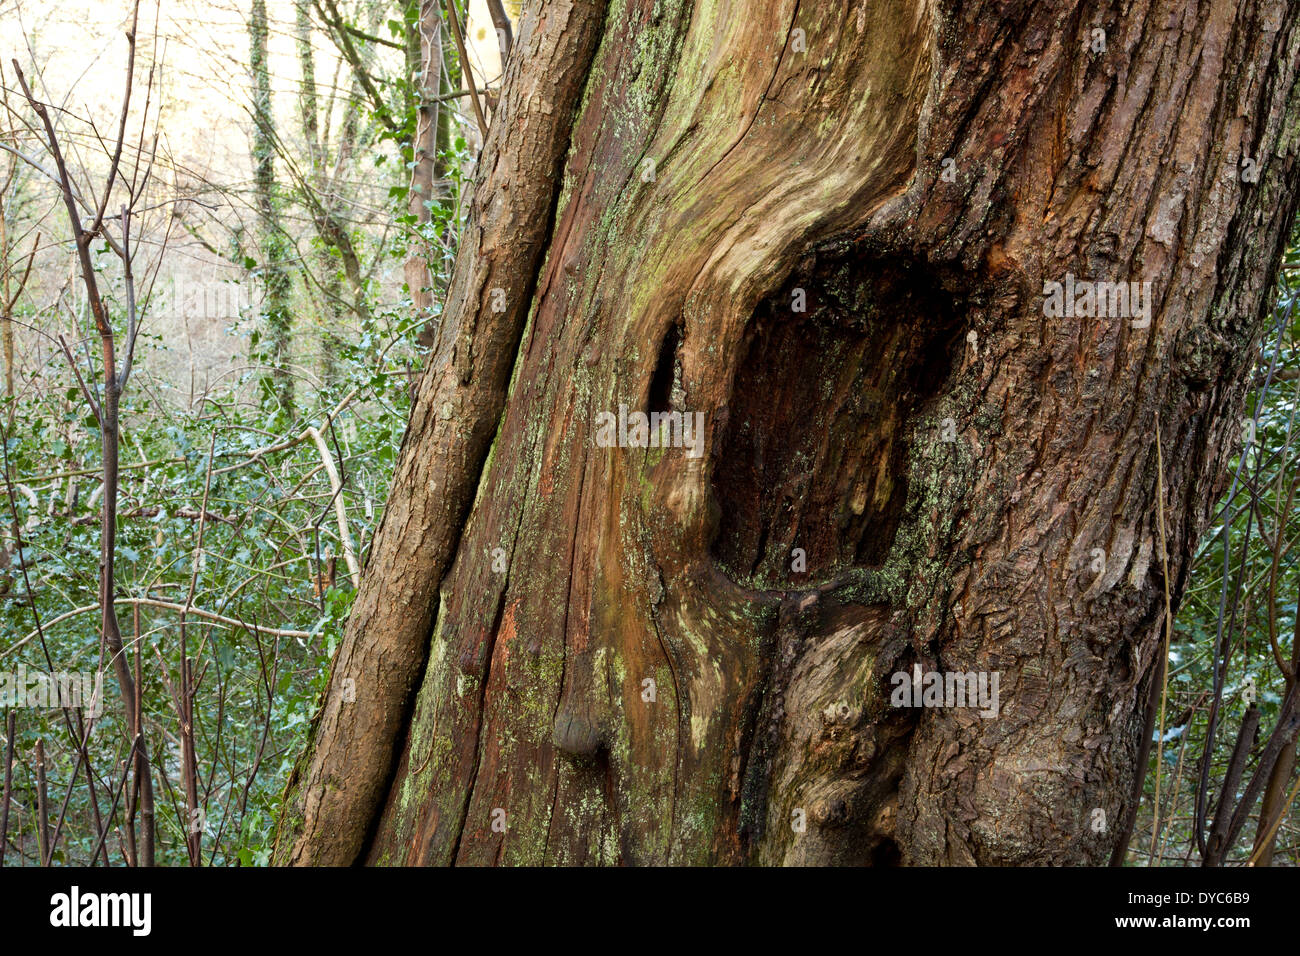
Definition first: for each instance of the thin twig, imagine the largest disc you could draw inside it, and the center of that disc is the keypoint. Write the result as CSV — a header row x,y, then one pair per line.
x,y
167,606
10,733
1169,626
42,807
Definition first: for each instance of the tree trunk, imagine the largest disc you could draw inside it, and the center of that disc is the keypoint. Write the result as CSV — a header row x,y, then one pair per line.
x,y
425,60
1275,804
328,313
834,235
274,250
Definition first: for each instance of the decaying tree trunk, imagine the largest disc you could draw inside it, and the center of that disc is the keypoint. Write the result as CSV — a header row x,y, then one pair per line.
x,y
833,232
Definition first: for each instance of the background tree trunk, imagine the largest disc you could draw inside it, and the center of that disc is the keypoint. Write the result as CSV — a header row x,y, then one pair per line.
x,y
425,56
273,245
564,653
328,312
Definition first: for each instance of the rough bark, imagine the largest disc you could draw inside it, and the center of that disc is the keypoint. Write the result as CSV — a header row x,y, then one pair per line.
x,y
949,459
339,784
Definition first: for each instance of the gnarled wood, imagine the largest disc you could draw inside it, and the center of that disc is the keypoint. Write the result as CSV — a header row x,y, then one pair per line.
x,y
828,230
